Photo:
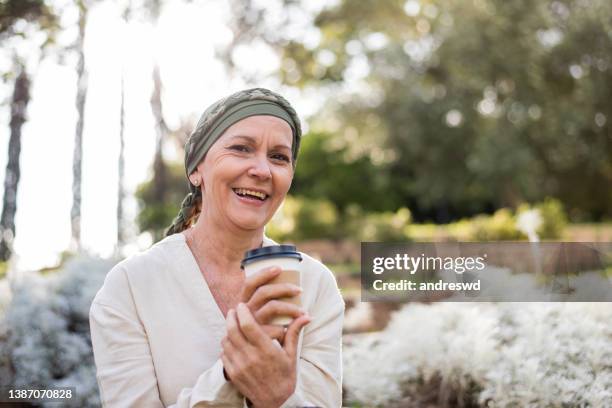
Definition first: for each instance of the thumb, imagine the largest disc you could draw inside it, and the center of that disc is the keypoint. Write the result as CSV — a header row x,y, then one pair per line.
x,y
293,334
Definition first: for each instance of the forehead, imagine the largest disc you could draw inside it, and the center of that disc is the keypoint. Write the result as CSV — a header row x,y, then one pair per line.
x,y
261,125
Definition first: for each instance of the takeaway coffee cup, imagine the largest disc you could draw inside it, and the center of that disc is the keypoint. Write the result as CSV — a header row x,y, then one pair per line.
x,y
284,256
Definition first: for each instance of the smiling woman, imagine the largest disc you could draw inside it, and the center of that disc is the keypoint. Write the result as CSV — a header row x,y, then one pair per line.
x,y
247,177
180,324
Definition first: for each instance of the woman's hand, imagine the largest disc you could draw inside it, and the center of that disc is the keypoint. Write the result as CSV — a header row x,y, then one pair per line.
x,y
261,297
261,370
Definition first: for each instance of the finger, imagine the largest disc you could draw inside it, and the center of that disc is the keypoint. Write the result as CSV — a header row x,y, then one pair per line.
x,y
293,334
275,331
234,333
251,283
275,308
228,347
252,331
228,366
270,291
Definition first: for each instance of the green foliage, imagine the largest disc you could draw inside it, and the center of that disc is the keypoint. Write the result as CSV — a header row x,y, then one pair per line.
x,y
301,219
304,218
36,11
326,169
157,214
485,104
501,226
379,227
554,219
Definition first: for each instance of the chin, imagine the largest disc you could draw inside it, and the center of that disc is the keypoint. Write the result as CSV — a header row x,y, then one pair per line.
x,y
250,223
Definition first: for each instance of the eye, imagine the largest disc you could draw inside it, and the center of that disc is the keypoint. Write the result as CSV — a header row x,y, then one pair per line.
x,y
281,157
240,148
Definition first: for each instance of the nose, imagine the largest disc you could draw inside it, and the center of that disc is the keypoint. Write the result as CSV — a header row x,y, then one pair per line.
x,y
260,168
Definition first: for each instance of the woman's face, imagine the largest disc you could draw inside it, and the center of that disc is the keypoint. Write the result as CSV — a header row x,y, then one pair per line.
x,y
247,172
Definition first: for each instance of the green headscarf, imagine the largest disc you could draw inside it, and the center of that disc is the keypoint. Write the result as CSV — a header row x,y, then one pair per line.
x,y
214,122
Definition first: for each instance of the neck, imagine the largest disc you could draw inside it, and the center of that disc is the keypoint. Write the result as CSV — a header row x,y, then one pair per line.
x,y
222,245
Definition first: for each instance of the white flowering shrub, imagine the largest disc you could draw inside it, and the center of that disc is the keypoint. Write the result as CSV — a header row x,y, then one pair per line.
x,y
44,337
483,354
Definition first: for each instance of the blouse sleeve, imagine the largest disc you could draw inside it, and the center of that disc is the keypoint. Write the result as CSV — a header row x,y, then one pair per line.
x,y
320,362
124,364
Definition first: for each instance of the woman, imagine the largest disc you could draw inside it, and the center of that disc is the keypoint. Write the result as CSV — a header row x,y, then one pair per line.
x,y
180,325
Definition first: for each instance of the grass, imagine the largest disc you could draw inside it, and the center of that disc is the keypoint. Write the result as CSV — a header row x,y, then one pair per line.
x,y
346,269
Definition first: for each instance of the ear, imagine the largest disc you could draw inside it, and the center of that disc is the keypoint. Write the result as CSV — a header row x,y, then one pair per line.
x,y
195,179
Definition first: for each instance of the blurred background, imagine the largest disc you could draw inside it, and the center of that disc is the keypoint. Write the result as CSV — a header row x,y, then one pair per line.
x,y
424,120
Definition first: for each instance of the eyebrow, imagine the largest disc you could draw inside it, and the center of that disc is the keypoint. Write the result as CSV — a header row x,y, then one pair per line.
x,y
252,140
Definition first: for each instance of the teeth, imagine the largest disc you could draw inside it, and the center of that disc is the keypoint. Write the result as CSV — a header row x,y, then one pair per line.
x,y
244,191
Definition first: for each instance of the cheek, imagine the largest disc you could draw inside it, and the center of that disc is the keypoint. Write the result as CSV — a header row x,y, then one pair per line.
x,y
283,181
213,188
218,169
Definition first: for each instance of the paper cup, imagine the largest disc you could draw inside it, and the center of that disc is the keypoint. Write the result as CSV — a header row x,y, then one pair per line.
x,y
288,259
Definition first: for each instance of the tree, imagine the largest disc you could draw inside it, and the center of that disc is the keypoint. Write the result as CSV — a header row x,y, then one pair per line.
x,y
81,95
19,104
156,215
38,16
121,160
481,104
340,178
161,196
33,11
160,168
121,172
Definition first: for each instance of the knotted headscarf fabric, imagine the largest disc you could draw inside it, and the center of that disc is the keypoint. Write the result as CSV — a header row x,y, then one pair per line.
x,y
213,123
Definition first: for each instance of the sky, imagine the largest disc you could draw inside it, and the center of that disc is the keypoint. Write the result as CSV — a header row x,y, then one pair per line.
x,y
183,43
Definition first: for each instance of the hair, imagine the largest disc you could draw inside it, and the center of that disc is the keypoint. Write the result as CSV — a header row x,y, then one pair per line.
x,y
191,207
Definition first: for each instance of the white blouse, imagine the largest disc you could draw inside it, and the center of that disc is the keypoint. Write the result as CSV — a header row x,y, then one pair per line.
x,y
156,332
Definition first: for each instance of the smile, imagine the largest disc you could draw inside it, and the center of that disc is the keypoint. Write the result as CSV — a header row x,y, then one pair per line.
x,y
252,194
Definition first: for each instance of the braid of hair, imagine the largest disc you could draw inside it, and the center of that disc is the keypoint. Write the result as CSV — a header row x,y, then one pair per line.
x,y
190,209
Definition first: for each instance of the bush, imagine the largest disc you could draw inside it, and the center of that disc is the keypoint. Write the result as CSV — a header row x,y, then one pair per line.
x,y
554,219
302,219
305,218
44,337
551,217
501,226
487,355
160,200
381,227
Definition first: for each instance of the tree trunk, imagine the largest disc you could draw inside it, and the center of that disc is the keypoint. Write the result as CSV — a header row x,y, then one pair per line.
x,y
19,104
121,173
160,171
75,213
